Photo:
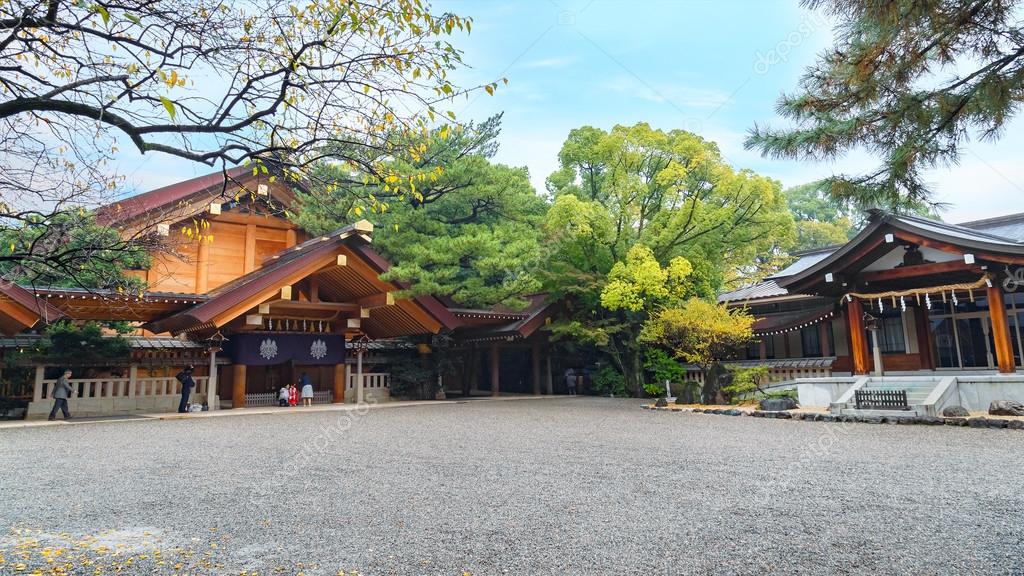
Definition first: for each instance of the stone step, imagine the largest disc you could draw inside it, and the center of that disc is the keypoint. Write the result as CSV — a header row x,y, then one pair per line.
x,y
912,413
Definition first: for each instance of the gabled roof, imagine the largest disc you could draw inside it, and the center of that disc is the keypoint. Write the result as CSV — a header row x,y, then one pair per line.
x,y
1009,226
190,197
321,254
1002,235
499,323
20,309
884,229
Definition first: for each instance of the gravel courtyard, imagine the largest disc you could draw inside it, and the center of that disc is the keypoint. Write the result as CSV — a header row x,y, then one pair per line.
x,y
565,486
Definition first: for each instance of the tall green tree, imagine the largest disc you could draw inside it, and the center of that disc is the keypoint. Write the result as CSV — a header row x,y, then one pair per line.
x,y
469,229
629,207
908,80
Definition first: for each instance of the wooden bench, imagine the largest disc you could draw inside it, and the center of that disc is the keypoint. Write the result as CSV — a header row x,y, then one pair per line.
x,y
881,399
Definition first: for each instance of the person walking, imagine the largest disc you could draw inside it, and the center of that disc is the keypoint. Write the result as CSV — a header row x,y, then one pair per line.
x,y
307,389
570,381
61,393
187,383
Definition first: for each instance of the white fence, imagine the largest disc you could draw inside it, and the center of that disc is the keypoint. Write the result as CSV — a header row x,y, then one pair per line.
x,y
100,396
271,398
376,387
121,387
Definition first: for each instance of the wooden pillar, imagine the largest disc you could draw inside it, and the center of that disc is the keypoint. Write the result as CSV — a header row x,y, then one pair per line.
x,y
250,249
762,347
858,339
535,360
823,326
549,383
289,237
203,267
925,349
340,378
238,386
785,345
495,369
1000,330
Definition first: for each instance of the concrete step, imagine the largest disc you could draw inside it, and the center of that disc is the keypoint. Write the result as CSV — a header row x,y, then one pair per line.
x,y
912,413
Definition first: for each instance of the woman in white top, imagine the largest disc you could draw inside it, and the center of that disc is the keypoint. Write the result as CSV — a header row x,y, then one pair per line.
x,y
307,389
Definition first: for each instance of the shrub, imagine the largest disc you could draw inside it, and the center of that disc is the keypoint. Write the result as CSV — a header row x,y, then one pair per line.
x,y
654,390
745,383
609,382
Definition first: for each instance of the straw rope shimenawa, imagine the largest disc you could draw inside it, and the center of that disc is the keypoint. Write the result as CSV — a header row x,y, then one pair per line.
x,y
984,282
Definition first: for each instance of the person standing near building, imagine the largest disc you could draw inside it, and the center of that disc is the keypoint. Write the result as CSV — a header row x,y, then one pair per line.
x,y
61,393
306,384
187,383
570,381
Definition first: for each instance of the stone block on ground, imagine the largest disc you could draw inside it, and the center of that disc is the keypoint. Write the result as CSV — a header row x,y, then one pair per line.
x,y
777,404
1006,408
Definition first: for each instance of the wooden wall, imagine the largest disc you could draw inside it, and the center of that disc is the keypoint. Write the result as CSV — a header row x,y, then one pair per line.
x,y
239,245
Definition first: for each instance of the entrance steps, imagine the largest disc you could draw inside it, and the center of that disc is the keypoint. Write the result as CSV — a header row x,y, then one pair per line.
x,y
921,396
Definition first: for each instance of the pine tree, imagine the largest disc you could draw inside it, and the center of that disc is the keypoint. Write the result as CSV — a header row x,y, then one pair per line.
x,y
909,81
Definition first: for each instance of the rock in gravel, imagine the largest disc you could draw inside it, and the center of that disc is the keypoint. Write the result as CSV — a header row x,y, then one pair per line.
x,y
1016,424
977,422
777,404
998,423
661,403
955,412
1006,408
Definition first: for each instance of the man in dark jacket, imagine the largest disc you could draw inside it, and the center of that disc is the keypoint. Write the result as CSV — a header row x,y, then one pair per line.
x,y
61,393
185,377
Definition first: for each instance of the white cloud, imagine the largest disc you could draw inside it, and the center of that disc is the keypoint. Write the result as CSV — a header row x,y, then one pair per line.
x,y
677,95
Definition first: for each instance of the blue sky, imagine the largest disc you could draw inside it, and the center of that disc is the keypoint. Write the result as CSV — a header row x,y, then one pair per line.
x,y
712,67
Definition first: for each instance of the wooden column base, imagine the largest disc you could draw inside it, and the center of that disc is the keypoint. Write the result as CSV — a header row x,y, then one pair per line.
x,y
238,386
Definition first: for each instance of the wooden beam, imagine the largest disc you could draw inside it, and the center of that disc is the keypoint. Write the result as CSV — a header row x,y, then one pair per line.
x,y
954,249
918,270
279,305
289,237
250,248
1000,330
314,288
377,300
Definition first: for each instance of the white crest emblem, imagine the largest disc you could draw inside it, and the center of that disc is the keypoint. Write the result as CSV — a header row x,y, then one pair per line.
x,y
268,348
318,349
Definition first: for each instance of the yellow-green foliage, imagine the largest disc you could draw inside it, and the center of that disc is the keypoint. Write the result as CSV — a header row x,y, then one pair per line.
x,y
699,331
640,281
